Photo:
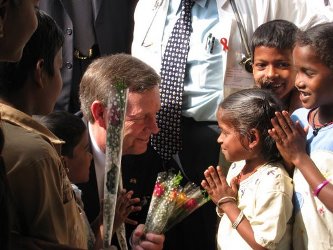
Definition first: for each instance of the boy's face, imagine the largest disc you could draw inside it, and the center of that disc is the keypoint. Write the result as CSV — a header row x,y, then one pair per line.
x,y
53,85
19,24
314,80
273,69
79,164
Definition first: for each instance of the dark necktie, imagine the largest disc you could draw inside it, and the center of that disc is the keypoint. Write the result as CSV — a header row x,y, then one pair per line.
x,y
168,141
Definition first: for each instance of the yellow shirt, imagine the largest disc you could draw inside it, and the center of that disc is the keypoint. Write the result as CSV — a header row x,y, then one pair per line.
x,y
266,200
43,204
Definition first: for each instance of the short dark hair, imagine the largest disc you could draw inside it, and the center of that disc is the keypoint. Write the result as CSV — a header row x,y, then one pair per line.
x,y
67,127
277,33
253,109
104,72
44,44
15,2
320,38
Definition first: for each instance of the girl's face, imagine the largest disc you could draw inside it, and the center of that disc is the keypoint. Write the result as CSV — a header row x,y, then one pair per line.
x,y
79,164
314,80
273,69
233,146
19,23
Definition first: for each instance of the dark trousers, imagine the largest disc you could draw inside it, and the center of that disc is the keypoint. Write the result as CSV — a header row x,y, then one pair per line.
x,y
200,150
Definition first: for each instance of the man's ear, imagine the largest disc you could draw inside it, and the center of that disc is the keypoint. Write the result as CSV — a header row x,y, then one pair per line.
x,y
254,138
98,112
39,73
3,15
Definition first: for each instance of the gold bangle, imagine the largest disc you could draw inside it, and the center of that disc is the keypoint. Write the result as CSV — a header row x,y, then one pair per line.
x,y
238,220
226,199
218,212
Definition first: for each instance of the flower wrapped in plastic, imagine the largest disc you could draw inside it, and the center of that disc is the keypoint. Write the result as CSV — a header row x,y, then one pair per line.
x,y
189,199
171,202
116,110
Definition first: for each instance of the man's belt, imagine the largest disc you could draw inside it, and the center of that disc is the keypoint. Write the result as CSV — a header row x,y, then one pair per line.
x,y
91,53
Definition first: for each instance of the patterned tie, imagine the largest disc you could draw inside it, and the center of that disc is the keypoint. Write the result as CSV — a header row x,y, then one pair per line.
x,y
168,141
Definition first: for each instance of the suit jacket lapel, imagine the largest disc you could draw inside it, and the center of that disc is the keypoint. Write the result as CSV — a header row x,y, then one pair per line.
x,y
96,5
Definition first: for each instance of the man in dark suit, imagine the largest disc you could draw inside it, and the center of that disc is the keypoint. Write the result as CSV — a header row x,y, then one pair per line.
x,y
140,122
92,28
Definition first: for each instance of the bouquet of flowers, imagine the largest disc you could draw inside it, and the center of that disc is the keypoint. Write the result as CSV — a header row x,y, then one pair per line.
x,y
171,202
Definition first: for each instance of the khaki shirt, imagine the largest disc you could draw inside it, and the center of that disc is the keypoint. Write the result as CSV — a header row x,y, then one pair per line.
x,y
43,204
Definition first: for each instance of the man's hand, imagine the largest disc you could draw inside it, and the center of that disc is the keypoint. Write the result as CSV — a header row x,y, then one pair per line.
x,y
149,241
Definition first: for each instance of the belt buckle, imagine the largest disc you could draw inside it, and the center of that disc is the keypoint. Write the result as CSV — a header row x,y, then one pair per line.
x,y
78,54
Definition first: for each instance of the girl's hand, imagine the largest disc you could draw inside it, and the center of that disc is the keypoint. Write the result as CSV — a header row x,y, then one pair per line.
x,y
217,186
125,205
290,137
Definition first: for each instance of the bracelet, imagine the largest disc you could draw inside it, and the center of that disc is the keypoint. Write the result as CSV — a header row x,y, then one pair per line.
x,y
320,187
226,199
238,220
218,212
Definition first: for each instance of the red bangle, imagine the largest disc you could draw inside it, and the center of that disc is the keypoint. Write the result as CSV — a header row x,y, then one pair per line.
x,y
320,187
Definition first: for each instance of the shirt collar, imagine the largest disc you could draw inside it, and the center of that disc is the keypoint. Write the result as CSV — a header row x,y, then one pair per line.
x,y
25,121
99,156
99,162
201,3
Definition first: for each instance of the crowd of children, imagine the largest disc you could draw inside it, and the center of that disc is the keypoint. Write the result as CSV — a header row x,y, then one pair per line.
x,y
255,199
277,194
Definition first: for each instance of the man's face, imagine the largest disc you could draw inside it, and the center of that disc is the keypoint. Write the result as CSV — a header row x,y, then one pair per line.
x,y
140,120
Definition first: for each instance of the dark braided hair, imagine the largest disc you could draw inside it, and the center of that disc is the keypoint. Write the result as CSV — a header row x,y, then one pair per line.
x,y
253,109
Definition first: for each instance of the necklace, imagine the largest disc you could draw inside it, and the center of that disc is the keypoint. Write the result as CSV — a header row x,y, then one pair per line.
x,y
317,127
241,174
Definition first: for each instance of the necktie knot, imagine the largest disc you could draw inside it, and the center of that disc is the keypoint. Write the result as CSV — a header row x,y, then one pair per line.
x,y
187,5
185,14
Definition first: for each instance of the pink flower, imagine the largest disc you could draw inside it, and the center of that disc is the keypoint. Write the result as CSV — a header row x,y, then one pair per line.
x,y
158,190
190,204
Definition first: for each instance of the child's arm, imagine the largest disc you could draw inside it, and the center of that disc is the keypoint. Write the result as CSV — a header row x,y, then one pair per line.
x,y
291,141
217,187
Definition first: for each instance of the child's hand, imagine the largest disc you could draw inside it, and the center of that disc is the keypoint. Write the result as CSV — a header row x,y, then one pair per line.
x,y
216,184
290,137
125,205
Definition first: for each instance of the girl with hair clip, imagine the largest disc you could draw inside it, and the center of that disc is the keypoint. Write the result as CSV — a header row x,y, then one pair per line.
x,y
305,139
254,201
